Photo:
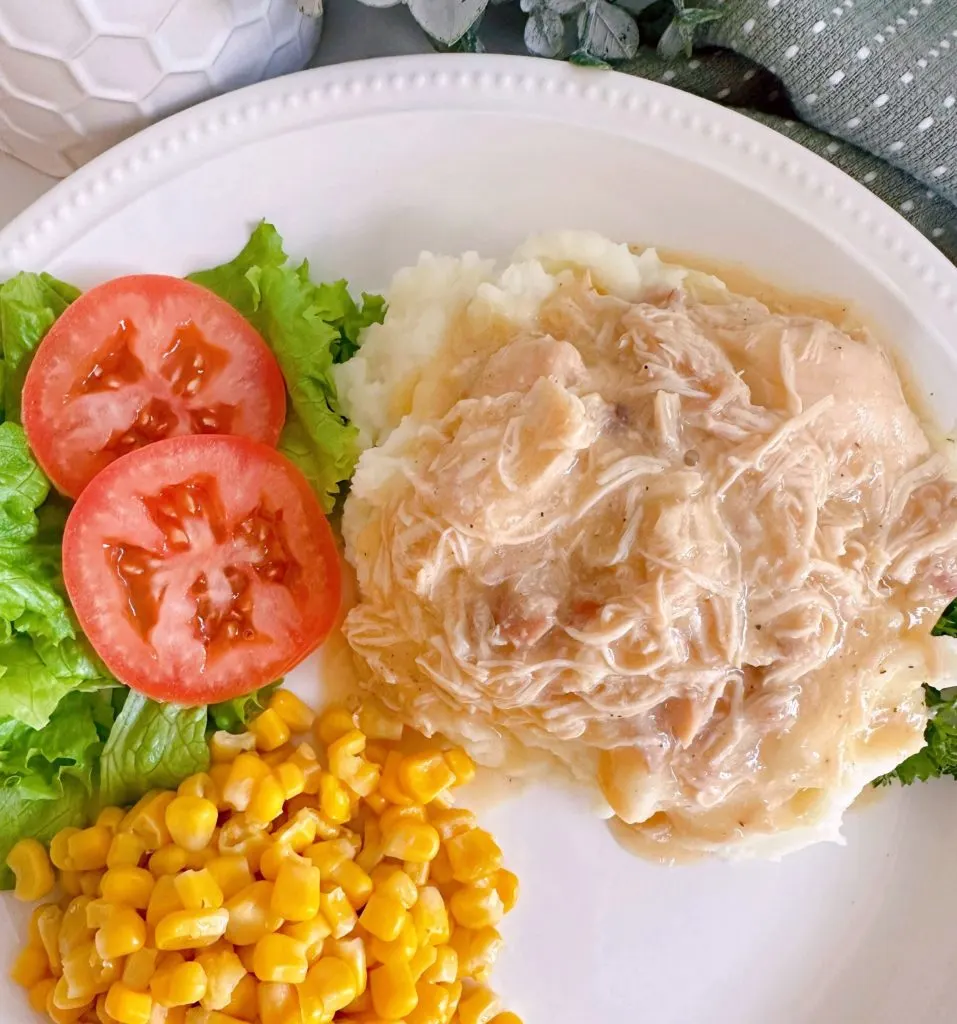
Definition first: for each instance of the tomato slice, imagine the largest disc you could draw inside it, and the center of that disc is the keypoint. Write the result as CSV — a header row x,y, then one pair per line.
x,y
201,567
142,358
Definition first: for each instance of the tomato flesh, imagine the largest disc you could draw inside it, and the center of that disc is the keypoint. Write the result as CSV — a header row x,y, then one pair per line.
x,y
139,359
201,567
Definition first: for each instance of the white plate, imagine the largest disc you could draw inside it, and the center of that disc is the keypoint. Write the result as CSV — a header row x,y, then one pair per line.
x,y
361,166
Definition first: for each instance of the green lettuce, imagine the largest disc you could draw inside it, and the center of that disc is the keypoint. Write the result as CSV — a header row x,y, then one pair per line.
x,y
234,715
309,328
29,305
151,746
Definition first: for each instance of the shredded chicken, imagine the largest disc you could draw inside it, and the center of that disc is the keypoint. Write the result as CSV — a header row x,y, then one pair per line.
x,y
689,547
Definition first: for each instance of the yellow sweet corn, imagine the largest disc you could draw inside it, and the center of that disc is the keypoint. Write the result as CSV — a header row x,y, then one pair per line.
x,y
128,1007
266,802
250,914
269,730
224,971
291,779
354,881
41,994
239,837
191,821
231,873
418,873
432,1006
297,715
31,867
126,851
305,759
334,799
59,852
383,916
31,966
338,911
273,858
452,821
505,884
353,952
200,858
163,900
329,854
198,890
333,723
244,772
377,723
279,1004
393,990
370,856
455,995
478,1007
191,929
128,886
506,1018
245,1000
225,747
280,958
296,893
122,933
476,951
347,764
411,840
424,776
70,883
312,934
111,818
139,968
391,880
402,948
168,860
330,986
422,959
445,969
49,921
179,984
473,855
88,848
147,819
74,931
430,917
463,767
477,907
393,816
390,785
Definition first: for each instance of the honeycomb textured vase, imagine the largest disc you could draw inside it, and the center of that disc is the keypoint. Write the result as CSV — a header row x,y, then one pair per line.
x,y
76,76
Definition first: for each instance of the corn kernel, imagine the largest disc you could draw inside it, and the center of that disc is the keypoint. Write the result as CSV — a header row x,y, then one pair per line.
x,y
198,859
168,860
32,870
422,959
424,776
269,730
88,848
473,855
419,873
333,723
446,966
352,952
376,802
370,856
250,914
393,991
164,900
477,907
274,857
312,934
383,916
328,855
452,821
239,837
59,849
334,799
90,883
63,1000
476,951
219,776
338,911
403,947
123,932
224,971
298,833
329,986
455,995
291,779
432,1007
179,984
129,886
505,884
393,816
41,994
280,958
390,785
49,921
246,770
31,966
506,1018
70,883
225,747
128,1007
231,873
377,723
356,883
126,851
191,821
461,764
347,764
390,880
266,802
430,917
304,758
245,1000
411,840
191,929
295,896
478,1007
297,715
139,968
147,819
197,890
278,1004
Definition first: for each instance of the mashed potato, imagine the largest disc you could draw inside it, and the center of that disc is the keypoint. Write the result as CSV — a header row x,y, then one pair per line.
x,y
613,514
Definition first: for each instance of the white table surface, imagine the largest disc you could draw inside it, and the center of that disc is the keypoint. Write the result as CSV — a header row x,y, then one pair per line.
x,y
352,32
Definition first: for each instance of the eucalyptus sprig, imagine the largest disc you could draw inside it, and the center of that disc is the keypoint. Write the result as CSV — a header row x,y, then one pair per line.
x,y
588,32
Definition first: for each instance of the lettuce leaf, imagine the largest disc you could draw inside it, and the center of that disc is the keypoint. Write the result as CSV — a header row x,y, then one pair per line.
x,y
29,305
151,746
234,715
309,327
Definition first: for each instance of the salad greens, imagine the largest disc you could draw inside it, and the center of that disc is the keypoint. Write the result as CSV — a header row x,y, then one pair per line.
x,y
939,754
71,737
309,327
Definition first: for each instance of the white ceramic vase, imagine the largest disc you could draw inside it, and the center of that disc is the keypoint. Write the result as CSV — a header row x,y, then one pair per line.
x,y
76,76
